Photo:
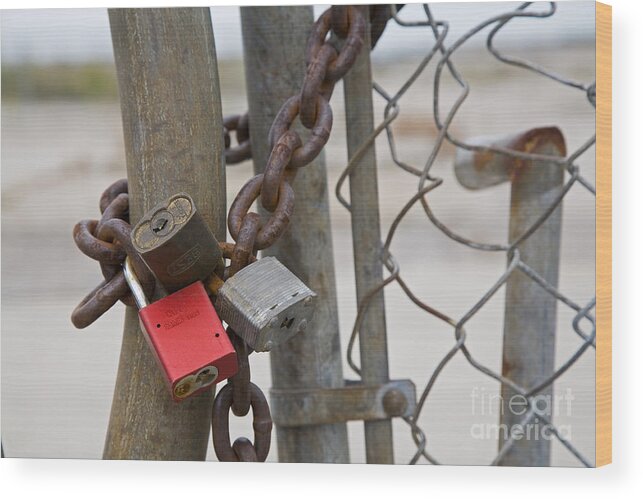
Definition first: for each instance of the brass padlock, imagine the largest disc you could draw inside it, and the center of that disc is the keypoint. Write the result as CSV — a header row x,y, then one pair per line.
x,y
265,304
176,243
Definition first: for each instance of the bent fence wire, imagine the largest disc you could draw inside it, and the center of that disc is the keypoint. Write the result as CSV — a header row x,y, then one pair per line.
x,y
436,31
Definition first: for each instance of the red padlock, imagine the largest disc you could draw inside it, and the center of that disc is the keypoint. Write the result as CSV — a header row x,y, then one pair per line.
x,y
186,336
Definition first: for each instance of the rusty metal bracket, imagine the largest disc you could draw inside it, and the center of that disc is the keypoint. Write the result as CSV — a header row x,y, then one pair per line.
x,y
352,402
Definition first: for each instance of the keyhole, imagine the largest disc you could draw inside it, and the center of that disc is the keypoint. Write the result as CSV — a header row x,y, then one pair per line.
x,y
287,323
159,224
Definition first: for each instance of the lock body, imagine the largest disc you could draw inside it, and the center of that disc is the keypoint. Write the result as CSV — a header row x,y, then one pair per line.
x,y
189,341
176,243
265,304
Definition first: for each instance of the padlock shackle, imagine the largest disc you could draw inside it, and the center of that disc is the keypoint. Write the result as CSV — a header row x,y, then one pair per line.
x,y
134,284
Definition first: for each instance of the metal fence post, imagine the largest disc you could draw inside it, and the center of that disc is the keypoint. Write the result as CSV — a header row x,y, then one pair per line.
x,y
169,91
274,40
530,311
367,245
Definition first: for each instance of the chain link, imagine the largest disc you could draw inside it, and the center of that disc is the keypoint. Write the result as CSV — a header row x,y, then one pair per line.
x,y
242,449
108,242
240,124
241,381
325,65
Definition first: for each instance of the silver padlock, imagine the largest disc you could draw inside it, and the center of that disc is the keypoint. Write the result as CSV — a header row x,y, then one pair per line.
x,y
265,304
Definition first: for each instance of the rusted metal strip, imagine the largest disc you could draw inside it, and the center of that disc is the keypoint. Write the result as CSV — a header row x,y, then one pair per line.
x,y
529,343
476,169
353,402
367,245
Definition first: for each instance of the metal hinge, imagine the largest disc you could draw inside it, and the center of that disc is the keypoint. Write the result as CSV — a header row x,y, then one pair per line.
x,y
352,402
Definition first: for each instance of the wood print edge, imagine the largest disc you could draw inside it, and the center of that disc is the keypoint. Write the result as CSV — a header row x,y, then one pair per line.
x,y
603,234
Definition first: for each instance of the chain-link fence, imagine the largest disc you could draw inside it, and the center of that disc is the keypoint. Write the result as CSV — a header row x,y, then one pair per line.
x,y
484,157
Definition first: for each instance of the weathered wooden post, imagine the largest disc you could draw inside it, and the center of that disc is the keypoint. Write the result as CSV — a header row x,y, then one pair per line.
x,y
274,41
367,245
170,102
529,342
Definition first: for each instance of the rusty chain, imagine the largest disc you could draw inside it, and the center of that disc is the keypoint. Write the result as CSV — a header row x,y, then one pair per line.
x,y
108,242
242,449
288,152
335,41
240,124
325,66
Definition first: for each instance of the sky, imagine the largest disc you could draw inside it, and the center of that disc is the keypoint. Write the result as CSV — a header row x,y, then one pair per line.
x,y
82,35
